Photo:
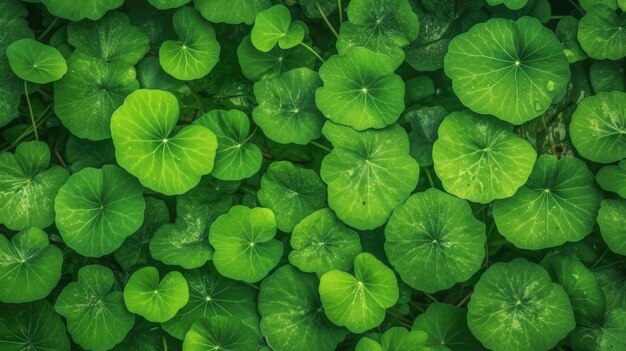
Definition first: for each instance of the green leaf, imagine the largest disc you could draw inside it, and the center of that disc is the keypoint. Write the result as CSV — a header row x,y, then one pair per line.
x,y
111,38
601,33
566,31
598,127
28,186
434,241
291,192
446,326
220,333
155,300
318,8
144,336
516,72
196,51
35,62
383,27
211,295
321,242
83,153
236,158
96,316
511,4
479,158
29,266
580,285
245,248
424,122
151,75
148,148
360,90
588,4
90,9
270,27
607,76
515,307
286,112
231,11
612,221
292,317
168,4
395,339
613,178
368,173
359,301
256,64
295,35
611,335
559,203
87,96
33,327
96,209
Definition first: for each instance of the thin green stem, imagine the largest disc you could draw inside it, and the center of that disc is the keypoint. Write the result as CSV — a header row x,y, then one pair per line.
x,y
312,51
606,251
464,299
164,342
429,177
49,28
42,117
610,265
575,5
321,146
431,297
247,190
330,26
480,210
30,110
340,8
251,135
557,17
400,318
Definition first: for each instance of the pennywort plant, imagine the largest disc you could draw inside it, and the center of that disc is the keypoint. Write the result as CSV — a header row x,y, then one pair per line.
x,y
295,175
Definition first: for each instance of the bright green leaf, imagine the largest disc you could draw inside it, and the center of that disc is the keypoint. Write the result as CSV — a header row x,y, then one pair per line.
x,y
35,62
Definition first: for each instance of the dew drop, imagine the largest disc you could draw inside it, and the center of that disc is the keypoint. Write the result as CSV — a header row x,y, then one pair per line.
x,y
351,173
550,85
537,106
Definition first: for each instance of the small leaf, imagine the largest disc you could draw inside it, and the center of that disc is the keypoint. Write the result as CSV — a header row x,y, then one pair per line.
x,y
270,27
36,62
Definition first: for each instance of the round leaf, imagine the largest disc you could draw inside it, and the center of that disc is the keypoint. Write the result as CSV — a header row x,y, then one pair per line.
x,y
33,327
479,158
292,318
360,89
515,307
434,241
29,266
559,203
96,209
321,242
87,96
291,192
613,178
286,112
612,221
598,128
270,27
111,38
446,326
231,11
196,51
28,186
236,158
36,62
155,300
220,333
514,74
245,248
91,9
96,316
359,301
211,295
256,64
601,33
381,26
147,147
368,173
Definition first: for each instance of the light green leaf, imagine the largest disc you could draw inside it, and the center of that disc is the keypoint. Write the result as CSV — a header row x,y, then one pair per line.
x,y
270,27
35,62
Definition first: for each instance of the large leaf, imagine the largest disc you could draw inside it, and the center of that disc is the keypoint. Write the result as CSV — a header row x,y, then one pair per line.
x,y
97,209
33,327
368,173
515,73
148,148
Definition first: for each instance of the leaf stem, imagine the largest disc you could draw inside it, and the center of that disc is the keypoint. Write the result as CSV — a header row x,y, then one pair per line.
x,y
575,5
610,265
330,26
430,178
606,251
465,298
340,8
400,318
30,110
312,51
321,146
48,29
431,297
164,342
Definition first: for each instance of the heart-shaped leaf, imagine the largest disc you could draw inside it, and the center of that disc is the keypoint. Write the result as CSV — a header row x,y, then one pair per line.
x,y
148,148
36,62
96,209
359,301
155,300
273,26
29,266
